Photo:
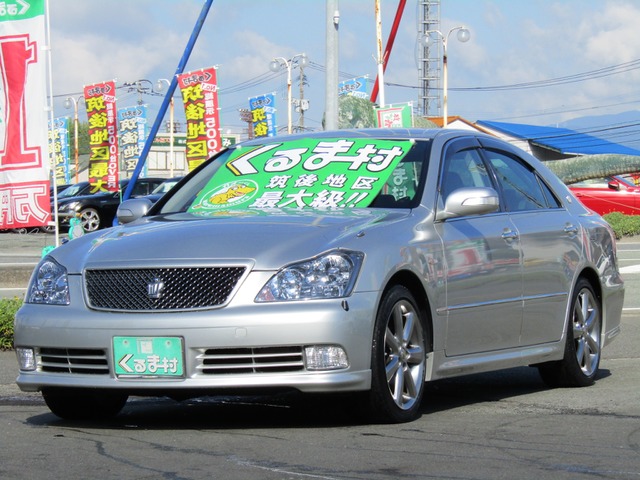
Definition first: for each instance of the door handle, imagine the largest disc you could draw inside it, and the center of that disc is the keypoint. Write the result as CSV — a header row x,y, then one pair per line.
x,y
509,235
570,229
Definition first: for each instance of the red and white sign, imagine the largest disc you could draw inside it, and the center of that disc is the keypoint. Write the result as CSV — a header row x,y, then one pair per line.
x,y
24,162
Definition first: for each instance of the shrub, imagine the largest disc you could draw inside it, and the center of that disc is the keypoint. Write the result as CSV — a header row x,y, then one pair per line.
x,y
623,225
8,309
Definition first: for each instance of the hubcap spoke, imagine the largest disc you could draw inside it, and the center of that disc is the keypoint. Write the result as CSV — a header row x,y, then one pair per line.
x,y
592,344
393,365
416,355
392,342
398,320
411,387
408,327
399,387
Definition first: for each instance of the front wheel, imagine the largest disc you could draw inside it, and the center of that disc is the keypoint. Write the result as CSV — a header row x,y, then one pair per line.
x,y
398,359
90,219
83,404
581,359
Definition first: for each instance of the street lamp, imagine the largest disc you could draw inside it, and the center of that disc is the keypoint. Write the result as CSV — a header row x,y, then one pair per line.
x,y
69,101
160,86
279,62
463,36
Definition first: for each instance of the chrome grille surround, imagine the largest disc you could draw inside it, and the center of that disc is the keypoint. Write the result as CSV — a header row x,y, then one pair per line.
x,y
73,360
184,288
251,360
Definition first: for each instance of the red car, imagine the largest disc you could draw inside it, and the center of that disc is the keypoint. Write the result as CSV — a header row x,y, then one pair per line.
x,y
611,194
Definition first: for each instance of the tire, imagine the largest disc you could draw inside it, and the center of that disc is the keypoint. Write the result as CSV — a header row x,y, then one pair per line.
x,y
581,361
398,359
83,404
90,219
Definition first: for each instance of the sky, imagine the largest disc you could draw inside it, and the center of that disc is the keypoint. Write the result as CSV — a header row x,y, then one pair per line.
x,y
539,62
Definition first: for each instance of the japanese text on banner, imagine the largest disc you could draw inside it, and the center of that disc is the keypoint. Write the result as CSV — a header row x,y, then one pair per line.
x,y
200,97
24,163
100,99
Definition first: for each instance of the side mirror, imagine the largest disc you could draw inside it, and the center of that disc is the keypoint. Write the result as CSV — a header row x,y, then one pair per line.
x,y
465,202
614,185
133,209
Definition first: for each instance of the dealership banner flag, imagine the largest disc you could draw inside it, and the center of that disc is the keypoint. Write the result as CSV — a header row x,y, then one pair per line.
x,y
356,87
395,116
263,115
100,99
132,131
59,147
200,97
24,159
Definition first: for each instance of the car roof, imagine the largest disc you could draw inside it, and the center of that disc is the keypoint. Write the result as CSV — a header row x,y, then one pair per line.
x,y
380,133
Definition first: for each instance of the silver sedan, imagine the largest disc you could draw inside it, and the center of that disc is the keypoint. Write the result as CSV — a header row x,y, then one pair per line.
x,y
360,262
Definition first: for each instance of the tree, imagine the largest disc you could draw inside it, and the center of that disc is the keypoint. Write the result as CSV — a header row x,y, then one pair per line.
x,y
354,112
577,169
422,122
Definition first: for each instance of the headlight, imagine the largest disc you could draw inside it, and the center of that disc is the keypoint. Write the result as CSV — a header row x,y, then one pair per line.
x,y
49,284
331,275
67,207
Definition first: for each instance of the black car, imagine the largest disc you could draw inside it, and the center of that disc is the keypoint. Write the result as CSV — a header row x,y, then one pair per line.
x,y
75,190
98,210
59,188
163,188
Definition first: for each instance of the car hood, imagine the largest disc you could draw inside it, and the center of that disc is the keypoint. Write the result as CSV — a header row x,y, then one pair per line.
x,y
266,242
81,198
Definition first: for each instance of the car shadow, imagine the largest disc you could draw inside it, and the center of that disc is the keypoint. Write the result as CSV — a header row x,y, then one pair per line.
x,y
294,410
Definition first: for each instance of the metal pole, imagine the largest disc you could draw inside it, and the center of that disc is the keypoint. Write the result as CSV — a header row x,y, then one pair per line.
x,y
445,84
75,135
171,129
49,95
289,62
389,47
165,103
380,60
331,82
301,121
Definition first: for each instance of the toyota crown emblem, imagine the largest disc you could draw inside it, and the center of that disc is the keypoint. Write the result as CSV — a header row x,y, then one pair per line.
x,y
155,288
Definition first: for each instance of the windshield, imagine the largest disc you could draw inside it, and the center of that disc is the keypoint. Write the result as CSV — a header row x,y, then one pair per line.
x,y
167,185
306,174
74,190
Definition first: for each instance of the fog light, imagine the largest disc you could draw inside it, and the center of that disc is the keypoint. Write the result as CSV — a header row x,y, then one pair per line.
x,y
326,357
26,358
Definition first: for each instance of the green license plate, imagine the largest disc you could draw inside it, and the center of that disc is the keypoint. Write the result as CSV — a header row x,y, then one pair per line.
x,y
148,356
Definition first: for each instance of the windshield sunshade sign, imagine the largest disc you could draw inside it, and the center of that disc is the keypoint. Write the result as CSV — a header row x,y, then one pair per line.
x,y
327,174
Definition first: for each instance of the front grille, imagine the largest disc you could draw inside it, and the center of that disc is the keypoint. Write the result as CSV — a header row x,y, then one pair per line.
x,y
152,289
73,360
223,361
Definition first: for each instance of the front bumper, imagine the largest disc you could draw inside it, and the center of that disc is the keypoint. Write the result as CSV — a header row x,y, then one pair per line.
x,y
82,342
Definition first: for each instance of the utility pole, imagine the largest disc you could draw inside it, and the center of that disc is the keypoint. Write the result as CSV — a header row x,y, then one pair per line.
x,y
331,89
302,103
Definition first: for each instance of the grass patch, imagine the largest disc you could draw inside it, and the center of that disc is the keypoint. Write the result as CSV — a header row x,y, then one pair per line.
x,y
8,309
623,225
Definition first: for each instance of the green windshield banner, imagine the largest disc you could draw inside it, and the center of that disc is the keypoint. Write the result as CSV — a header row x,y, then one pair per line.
x,y
322,174
21,10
